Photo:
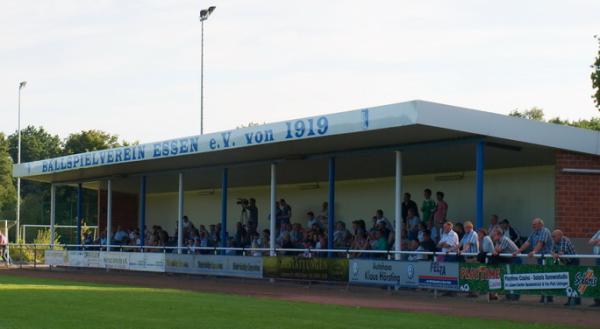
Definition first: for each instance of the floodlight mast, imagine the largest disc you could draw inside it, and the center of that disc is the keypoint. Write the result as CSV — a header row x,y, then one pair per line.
x,y
204,14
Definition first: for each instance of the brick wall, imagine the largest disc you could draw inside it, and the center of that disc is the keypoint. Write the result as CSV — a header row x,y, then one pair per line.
x,y
124,210
577,195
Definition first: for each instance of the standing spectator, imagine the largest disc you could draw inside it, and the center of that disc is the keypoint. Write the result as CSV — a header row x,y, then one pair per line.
x,y
493,224
407,205
510,232
449,241
460,230
427,207
469,242
486,245
286,211
563,246
595,242
441,209
252,210
541,241
505,245
324,214
4,249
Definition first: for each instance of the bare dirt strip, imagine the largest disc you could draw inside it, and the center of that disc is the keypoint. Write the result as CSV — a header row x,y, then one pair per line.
x,y
526,310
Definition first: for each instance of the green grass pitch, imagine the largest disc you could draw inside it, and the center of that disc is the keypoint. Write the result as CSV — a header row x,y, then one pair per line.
x,y
46,303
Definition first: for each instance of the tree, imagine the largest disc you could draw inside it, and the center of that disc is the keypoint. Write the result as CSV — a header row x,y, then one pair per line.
x,y
36,144
596,76
90,140
8,199
535,113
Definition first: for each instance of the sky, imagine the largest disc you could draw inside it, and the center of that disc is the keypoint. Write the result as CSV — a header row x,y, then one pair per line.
x,y
132,68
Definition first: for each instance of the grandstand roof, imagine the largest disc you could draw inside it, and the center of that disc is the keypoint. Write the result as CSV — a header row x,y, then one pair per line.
x,y
436,138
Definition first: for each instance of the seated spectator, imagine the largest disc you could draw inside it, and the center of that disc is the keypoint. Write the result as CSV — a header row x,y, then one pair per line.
x,y
312,220
379,242
360,242
213,237
341,236
286,242
286,229
382,220
297,235
358,224
121,236
413,245
427,244
412,222
421,232
510,232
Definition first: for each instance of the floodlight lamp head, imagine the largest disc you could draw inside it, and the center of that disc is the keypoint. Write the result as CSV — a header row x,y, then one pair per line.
x,y
211,9
22,84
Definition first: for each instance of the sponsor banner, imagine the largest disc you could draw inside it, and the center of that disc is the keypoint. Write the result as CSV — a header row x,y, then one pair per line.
x,y
480,277
84,258
179,263
436,275
292,267
145,261
379,272
558,280
239,266
56,257
531,281
116,260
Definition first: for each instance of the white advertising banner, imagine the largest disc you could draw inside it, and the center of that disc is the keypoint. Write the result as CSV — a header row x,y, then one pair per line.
x,y
535,281
382,272
116,260
77,259
239,266
179,263
150,262
56,257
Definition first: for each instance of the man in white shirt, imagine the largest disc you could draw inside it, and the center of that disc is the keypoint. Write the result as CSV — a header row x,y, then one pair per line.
x,y
448,241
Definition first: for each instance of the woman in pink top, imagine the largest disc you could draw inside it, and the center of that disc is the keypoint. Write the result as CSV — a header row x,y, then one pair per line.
x,y
441,209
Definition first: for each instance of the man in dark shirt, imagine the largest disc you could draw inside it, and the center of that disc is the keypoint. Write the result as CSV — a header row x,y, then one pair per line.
x,y
427,244
252,215
408,204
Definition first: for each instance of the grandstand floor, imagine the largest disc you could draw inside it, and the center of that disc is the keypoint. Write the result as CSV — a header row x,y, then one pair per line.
x,y
526,310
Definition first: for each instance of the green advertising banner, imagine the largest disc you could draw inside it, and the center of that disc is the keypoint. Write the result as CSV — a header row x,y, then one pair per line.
x,y
290,267
555,280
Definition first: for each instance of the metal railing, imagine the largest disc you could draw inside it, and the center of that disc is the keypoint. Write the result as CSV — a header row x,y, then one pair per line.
x,y
308,251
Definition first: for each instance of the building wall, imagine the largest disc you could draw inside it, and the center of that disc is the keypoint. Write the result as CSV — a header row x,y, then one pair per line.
x,y
577,195
124,213
518,194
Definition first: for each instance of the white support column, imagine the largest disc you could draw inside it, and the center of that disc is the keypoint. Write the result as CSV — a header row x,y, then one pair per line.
x,y
52,214
398,204
273,210
180,218
108,214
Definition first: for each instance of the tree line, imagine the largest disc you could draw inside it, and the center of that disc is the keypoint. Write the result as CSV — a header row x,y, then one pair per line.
x,y
39,144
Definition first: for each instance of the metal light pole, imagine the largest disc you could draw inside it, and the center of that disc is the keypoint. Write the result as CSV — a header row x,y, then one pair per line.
x,y
204,14
22,85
